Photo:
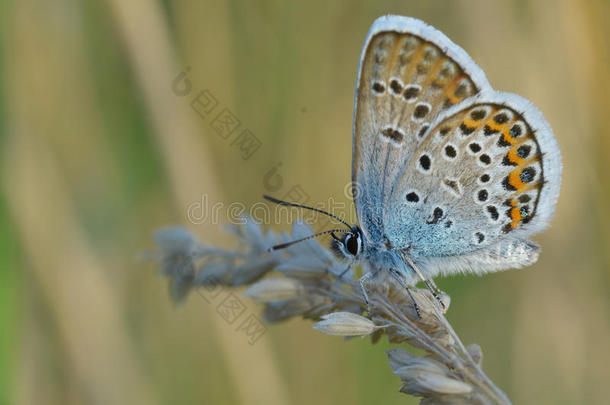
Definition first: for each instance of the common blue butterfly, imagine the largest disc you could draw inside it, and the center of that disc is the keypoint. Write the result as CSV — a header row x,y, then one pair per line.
x,y
449,175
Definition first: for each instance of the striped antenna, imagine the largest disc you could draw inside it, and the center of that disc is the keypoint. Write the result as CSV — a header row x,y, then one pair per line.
x,y
289,204
315,235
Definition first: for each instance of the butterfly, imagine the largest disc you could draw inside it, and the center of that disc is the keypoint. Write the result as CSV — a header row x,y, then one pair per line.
x,y
448,174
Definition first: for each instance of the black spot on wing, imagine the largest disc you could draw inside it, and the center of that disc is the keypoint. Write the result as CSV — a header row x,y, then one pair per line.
x,y
421,110
412,197
450,151
527,174
485,159
480,237
524,151
378,87
437,214
425,162
395,86
493,212
501,118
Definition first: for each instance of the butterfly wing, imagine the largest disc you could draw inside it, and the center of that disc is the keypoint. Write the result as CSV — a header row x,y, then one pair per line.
x,y
408,74
485,177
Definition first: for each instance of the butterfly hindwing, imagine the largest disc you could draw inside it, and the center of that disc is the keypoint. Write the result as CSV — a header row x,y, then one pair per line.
x,y
409,73
488,170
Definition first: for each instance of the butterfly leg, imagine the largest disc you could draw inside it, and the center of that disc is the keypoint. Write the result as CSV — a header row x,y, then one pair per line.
x,y
429,283
401,281
345,271
366,277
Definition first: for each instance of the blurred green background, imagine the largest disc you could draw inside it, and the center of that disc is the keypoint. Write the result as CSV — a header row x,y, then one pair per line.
x,y
98,152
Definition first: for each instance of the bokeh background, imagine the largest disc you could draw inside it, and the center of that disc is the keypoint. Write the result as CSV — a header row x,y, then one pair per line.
x,y
98,151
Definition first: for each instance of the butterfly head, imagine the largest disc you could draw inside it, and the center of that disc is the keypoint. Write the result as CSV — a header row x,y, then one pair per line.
x,y
350,245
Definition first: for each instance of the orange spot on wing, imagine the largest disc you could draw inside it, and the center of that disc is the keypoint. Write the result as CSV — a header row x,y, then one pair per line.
x,y
514,157
515,180
494,126
434,71
530,186
433,75
507,136
468,121
450,90
515,215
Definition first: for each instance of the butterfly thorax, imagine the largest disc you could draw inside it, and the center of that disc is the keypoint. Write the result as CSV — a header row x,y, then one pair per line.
x,y
383,255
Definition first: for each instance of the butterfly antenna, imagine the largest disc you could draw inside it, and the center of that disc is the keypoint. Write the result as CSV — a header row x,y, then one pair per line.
x,y
315,235
289,204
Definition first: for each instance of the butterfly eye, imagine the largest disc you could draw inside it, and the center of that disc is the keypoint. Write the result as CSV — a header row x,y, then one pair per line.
x,y
351,244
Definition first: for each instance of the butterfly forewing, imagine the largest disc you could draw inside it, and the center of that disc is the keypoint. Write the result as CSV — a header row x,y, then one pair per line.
x,y
409,73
